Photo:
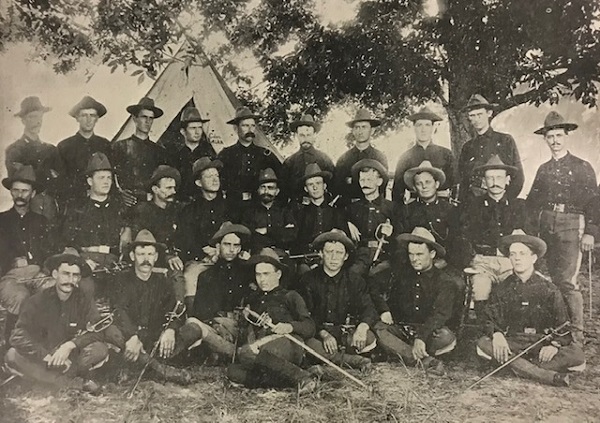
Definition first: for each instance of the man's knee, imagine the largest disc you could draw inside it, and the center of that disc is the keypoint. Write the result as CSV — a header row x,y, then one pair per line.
x,y
484,348
442,341
482,286
93,354
12,295
10,358
190,332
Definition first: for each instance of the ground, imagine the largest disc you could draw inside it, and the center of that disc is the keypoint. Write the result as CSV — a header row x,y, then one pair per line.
x,y
398,394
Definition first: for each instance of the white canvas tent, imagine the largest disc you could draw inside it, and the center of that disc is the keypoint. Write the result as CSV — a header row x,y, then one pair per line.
x,y
198,84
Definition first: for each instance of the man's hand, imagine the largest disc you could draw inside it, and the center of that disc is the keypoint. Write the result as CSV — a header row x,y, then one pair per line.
x,y
547,353
175,263
61,355
209,251
282,328
587,242
354,232
133,348
329,342
359,338
386,317
386,228
244,255
167,343
419,349
128,198
500,347
262,231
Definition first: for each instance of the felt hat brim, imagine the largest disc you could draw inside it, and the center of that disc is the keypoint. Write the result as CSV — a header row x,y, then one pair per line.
x,y
134,109
54,261
7,182
374,122
237,119
409,175
424,116
511,170
213,164
261,258
404,239
160,247
474,106
566,125
298,123
320,240
324,174
537,245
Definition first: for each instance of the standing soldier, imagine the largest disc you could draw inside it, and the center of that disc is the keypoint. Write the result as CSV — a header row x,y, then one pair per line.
x,y
136,157
95,225
271,222
29,150
195,146
423,150
362,128
76,151
294,166
199,221
558,201
480,149
243,161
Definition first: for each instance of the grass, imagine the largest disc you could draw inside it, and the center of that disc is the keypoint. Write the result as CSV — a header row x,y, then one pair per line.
x,y
398,394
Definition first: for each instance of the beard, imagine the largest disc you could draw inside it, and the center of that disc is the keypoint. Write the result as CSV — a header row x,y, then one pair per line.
x,y
266,198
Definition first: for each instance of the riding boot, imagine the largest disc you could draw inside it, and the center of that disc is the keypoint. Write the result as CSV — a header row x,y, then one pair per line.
x,y
574,301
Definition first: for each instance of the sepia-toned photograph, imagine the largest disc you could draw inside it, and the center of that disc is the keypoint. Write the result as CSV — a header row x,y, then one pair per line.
x,y
239,211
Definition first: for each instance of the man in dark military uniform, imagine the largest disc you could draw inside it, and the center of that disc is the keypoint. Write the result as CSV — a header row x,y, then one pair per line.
x,y
424,149
199,221
559,203
340,304
29,150
362,128
160,216
271,222
484,221
47,344
76,151
437,215
195,145
487,143
136,157
243,161
25,243
145,299
269,359
418,303
520,312
371,217
95,225
294,166
221,289
315,216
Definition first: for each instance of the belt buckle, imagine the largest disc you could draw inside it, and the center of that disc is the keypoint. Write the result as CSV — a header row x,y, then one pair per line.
x,y
104,249
246,196
373,244
560,208
530,331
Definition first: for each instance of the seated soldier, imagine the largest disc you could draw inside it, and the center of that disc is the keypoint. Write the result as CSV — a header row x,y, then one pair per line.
x,y
340,304
429,211
221,289
269,358
145,298
24,244
367,214
199,221
51,343
419,305
272,224
521,310
314,216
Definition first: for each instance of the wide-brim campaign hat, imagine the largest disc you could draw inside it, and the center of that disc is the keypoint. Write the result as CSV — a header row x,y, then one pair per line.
x,y
369,164
88,102
267,175
20,173
313,170
555,120
267,255
97,162
204,163
334,235
425,166
477,101
424,114
305,120
363,115
31,104
145,237
229,228
495,162
537,245
145,103
71,257
420,235
164,171
242,113
191,114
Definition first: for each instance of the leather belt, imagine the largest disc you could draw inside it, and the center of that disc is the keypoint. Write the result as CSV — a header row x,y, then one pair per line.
x,y
104,249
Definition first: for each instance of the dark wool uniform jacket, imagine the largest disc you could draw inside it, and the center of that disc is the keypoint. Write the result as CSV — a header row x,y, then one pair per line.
x,y
182,159
343,184
279,221
293,170
161,222
313,220
367,215
46,322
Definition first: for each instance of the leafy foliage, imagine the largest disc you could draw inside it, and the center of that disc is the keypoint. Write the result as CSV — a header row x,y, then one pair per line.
x,y
391,56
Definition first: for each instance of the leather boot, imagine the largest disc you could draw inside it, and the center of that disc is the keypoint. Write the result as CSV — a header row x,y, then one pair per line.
x,y
217,344
355,361
166,372
280,370
523,368
574,301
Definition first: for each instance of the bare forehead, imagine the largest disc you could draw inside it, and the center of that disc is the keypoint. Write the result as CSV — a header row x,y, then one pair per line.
x,y
265,268
414,247
249,121
314,180
231,238
334,246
